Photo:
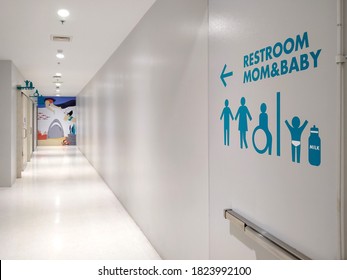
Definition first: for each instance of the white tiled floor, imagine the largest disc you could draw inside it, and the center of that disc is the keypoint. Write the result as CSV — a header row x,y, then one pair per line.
x,y
62,209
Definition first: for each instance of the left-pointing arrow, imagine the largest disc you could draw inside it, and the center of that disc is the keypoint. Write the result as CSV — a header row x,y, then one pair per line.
x,y
224,75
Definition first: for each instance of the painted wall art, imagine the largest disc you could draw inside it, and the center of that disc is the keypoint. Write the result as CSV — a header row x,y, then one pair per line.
x,y
57,121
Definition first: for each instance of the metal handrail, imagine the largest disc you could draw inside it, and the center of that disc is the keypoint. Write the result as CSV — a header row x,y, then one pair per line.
x,y
270,242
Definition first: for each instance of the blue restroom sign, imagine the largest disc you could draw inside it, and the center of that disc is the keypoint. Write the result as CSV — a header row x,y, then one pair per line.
x,y
225,75
294,54
280,59
314,147
295,126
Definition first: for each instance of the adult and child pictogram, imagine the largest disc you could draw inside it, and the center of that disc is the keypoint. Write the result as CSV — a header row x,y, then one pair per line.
x,y
296,130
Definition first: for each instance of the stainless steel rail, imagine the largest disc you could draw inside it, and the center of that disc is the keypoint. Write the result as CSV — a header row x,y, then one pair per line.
x,y
268,241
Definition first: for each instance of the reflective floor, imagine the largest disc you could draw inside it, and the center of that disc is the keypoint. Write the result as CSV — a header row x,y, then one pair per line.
x,y
62,209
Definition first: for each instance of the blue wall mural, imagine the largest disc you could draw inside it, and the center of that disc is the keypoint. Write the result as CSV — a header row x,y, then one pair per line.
x,y
57,121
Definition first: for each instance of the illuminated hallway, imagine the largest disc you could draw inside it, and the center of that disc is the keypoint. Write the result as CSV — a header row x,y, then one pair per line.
x,y
219,125
62,209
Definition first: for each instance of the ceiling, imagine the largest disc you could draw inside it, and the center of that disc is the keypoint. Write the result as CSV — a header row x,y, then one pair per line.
x,y
98,27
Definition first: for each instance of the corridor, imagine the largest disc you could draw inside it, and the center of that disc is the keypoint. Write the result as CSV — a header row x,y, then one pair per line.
x,y
173,130
62,209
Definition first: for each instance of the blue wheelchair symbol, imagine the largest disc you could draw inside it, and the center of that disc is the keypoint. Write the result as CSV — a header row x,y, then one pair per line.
x,y
263,126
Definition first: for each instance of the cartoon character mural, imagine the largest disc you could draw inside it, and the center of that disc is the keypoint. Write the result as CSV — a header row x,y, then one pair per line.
x,y
57,121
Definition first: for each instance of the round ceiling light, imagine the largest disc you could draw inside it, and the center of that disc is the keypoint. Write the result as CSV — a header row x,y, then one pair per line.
x,y
58,84
63,13
58,74
60,55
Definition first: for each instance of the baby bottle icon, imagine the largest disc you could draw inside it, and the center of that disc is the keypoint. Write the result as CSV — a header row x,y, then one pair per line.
x,y
314,147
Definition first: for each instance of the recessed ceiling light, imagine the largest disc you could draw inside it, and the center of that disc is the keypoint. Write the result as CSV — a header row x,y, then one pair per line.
x,y
60,54
57,90
63,13
57,95
58,84
58,74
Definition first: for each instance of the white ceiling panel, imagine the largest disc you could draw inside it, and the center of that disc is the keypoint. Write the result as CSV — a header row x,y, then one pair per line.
x,y
98,27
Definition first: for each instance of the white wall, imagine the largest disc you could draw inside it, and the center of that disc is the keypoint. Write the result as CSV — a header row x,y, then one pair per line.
x,y
9,78
5,125
344,137
143,125
17,79
296,202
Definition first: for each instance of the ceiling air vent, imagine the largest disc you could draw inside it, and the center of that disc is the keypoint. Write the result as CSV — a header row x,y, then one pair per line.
x,y
61,38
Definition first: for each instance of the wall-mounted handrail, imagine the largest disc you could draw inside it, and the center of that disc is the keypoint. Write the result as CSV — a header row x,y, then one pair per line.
x,y
270,242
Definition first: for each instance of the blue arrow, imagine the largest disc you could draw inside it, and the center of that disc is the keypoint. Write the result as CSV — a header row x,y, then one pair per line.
x,y
224,75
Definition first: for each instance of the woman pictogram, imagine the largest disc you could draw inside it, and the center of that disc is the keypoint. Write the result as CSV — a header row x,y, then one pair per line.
x,y
242,114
